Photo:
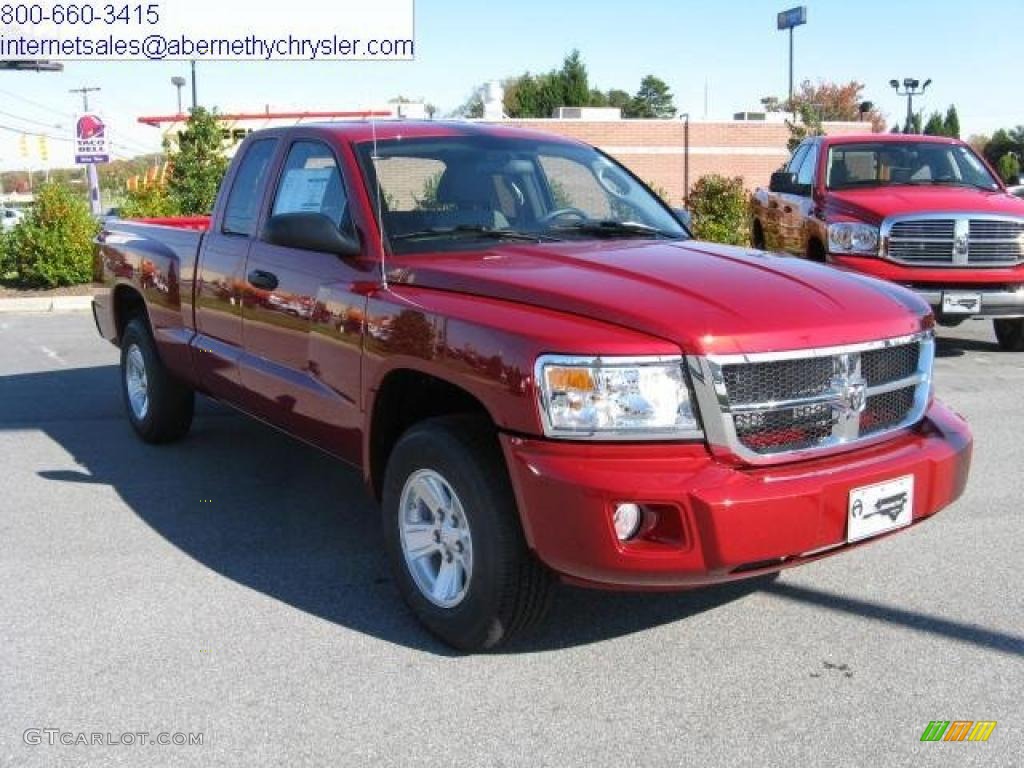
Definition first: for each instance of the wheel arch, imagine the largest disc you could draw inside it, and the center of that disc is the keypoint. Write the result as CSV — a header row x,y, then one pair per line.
x,y
405,397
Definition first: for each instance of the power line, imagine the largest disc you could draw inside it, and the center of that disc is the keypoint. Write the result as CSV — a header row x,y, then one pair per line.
x,y
27,132
28,120
35,104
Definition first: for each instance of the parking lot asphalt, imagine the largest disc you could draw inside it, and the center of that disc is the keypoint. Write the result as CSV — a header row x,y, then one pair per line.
x,y
234,585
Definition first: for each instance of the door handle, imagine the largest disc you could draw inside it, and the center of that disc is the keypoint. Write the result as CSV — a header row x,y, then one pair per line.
x,y
265,280
788,209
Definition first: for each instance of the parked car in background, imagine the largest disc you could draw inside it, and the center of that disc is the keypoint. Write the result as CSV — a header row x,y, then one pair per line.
x,y
538,371
1017,191
10,218
925,212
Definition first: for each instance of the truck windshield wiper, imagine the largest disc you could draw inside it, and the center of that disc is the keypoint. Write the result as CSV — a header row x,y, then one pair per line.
x,y
950,183
466,230
616,228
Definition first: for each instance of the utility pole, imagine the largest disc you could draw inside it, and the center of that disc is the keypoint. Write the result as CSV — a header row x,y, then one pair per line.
x,y
91,174
195,99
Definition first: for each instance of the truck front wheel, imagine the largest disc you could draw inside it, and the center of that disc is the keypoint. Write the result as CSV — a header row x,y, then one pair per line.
x,y
1010,333
159,406
454,539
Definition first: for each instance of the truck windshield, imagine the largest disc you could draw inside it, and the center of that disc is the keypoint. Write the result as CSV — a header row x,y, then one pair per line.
x,y
918,163
452,192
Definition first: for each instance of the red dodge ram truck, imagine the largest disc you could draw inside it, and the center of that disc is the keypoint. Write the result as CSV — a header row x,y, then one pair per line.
x,y
925,212
538,371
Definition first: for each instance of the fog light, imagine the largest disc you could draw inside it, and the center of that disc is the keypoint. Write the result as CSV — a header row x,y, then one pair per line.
x,y
626,520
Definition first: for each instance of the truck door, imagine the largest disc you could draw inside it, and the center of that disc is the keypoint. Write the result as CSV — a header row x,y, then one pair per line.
x,y
776,218
302,322
797,205
220,273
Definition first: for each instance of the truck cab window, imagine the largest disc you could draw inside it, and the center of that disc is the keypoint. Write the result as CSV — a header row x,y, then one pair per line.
x,y
242,207
805,176
311,183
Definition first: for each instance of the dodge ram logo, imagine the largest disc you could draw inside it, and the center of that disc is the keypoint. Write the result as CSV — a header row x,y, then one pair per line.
x,y
850,387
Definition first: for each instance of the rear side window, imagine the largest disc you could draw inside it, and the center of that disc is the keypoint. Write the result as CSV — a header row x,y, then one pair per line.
x,y
806,173
798,157
311,183
242,208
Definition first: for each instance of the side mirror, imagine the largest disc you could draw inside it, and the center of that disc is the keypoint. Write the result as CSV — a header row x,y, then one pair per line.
x,y
684,216
309,232
783,181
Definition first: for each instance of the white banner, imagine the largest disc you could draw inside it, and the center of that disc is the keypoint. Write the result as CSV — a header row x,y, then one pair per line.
x,y
311,30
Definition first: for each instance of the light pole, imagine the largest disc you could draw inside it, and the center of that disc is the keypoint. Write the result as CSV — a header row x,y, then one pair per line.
x,y
790,20
911,88
178,82
195,100
685,117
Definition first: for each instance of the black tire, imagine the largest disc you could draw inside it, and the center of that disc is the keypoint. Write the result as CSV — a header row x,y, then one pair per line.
x,y
1010,333
170,403
508,590
758,236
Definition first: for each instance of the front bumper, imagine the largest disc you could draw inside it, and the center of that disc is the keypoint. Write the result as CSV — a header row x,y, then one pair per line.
x,y
1001,288
730,522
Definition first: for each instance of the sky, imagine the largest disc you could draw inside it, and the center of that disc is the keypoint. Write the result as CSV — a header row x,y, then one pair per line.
x,y
730,51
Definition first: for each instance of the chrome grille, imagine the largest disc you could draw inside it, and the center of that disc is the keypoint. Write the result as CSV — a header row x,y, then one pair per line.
x,y
966,240
773,407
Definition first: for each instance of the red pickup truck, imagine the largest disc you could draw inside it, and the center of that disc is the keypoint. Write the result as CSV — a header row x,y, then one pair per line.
x,y
538,372
925,212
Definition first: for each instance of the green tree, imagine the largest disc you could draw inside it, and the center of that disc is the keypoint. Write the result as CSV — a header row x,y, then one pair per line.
x,y
720,208
473,107
914,126
197,163
935,125
952,122
653,100
1009,168
619,99
53,245
575,85
598,98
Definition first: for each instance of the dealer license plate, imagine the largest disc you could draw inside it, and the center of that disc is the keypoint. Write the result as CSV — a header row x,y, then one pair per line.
x,y
878,508
961,303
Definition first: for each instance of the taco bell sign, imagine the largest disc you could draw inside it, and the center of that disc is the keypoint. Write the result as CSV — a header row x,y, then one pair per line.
x,y
91,144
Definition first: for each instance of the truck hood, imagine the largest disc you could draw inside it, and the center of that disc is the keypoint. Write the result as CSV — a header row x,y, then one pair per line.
x,y
873,205
706,298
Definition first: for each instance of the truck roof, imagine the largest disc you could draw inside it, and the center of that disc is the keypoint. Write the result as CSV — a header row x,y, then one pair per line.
x,y
357,131
888,138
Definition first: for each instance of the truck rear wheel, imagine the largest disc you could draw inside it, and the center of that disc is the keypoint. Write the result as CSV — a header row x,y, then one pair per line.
x,y
1010,333
454,539
159,406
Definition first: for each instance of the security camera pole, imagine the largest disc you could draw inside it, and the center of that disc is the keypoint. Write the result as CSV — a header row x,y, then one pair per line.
x,y
911,88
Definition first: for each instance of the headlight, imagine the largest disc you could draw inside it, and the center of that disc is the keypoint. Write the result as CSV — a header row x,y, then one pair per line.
x,y
851,237
615,398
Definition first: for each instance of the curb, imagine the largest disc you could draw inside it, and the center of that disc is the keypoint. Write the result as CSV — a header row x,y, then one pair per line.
x,y
46,304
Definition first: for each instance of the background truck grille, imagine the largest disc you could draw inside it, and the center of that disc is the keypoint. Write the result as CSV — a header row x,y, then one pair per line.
x,y
773,408
955,242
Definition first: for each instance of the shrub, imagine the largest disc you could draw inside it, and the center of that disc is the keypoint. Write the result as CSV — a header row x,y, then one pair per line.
x,y
720,207
148,202
53,245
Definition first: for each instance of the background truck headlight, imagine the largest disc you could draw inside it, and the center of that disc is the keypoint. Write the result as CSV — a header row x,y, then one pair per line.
x,y
615,398
853,237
